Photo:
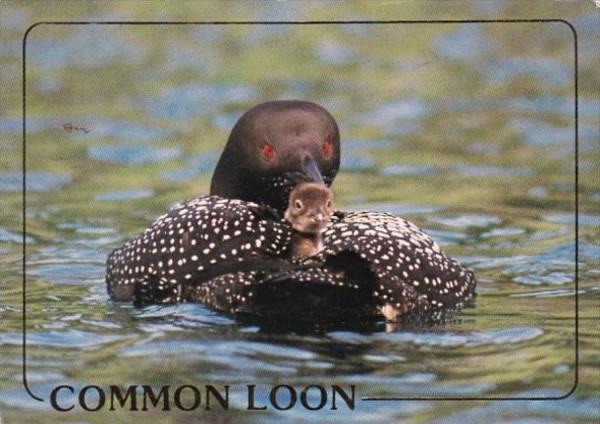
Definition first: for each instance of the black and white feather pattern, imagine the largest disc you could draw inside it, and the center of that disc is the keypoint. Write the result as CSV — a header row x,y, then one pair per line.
x,y
193,242
411,271
235,257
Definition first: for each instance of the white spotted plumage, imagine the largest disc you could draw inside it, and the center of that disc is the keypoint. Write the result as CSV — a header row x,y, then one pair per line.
x,y
409,271
192,251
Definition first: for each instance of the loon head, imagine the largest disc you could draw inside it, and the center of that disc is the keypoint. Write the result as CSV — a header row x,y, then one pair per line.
x,y
273,147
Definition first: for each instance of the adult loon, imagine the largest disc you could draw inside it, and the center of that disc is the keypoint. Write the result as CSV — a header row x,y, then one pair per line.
x,y
232,250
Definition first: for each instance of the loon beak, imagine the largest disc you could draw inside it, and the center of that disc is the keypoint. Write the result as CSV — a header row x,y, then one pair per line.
x,y
311,169
318,217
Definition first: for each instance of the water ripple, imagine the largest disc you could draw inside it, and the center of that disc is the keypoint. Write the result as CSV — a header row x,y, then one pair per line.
x,y
8,236
551,71
397,209
547,293
200,164
133,155
356,162
569,219
63,339
540,134
83,50
465,221
491,171
463,43
367,144
35,181
332,52
511,335
409,169
121,195
193,100
396,117
503,232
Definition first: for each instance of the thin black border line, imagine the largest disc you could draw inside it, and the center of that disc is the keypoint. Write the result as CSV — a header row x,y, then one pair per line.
x,y
349,22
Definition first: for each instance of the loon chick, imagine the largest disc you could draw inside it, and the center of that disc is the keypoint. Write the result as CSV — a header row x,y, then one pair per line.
x,y
309,211
231,250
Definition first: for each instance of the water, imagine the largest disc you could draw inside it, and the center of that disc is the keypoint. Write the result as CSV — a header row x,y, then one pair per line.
x,y
484,164
36,181
133,154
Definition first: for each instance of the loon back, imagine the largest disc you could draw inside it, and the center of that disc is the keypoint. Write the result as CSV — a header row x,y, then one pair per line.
x,y
234,256
195,241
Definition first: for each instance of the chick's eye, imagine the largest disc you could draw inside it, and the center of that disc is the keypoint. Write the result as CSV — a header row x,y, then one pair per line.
x,y
268,152
326,148
298,204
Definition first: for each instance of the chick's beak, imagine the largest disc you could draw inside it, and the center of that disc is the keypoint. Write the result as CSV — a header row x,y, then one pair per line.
x,y
318,217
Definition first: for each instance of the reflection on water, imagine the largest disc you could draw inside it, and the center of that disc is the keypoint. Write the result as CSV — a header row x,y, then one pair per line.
x,y
122,195
408,169
203,163
399,209
396,117
35,181
13,237
536,133
569,219
194,100
491,171
549,71
464,221
332,52
133,155
459,128
464,43
82,50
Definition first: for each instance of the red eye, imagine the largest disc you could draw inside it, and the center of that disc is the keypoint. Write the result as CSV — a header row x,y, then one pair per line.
x,y
268,152
326,148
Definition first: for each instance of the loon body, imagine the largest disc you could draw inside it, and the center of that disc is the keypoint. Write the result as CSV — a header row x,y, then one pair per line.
x,y
234,250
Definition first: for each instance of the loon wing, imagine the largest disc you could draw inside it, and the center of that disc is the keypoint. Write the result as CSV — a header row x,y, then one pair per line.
x,y
192,243
400,255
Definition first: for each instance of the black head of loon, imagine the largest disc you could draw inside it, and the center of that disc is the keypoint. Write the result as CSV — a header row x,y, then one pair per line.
x,y
274,146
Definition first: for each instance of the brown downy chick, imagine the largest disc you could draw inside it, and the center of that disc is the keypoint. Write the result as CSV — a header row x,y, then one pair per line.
x,y
309,210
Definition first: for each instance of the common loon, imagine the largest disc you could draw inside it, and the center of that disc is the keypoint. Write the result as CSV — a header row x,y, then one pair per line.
x,y
233,250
